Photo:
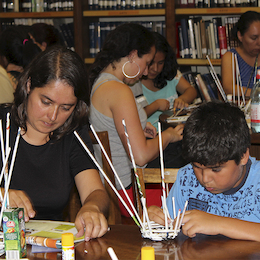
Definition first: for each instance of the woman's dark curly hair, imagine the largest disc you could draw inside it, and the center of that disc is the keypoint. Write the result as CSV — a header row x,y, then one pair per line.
x,y
119,43
56,63
244,22
170,67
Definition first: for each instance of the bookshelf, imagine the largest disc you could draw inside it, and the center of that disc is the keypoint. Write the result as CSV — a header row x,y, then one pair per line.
x,y
193,12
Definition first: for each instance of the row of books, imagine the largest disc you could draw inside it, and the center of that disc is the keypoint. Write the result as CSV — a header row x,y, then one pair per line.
x,y
215,3
99,30
66,29
197,38
125,4
37,5
204,84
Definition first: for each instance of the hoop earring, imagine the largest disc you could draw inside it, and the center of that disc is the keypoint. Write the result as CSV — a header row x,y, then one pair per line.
x,y
127,76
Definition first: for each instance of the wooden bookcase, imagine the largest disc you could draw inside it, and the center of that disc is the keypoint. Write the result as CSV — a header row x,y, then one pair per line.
x,y
82,16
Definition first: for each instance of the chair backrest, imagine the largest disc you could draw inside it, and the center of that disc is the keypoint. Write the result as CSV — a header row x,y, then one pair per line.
x,y
114,216
151,175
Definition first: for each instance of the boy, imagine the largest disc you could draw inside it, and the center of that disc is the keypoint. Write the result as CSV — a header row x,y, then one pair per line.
x,y
222,183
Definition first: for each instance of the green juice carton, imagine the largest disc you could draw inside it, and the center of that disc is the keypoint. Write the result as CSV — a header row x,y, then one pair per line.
x,y
14,233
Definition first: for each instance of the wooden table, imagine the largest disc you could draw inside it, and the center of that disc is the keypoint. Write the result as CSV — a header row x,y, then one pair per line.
x,y
126,241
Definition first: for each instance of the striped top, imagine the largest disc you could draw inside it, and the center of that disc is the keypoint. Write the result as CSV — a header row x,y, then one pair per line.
x,y
245,70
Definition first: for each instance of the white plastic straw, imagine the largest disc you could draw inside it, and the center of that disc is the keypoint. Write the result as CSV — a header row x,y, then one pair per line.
x,y
3,171
145,212
7,131
183,212
233,76
216,79
162,170
239,85
177,221
173,208
112,253
107,179
10,174
2,142
115,173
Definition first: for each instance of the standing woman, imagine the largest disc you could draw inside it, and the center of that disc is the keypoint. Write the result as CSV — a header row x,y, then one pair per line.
x,y
50,102
247,33
164,81
124,59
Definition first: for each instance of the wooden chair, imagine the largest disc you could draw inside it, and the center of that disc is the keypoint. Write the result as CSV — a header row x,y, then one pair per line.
x,y
151,175
114,216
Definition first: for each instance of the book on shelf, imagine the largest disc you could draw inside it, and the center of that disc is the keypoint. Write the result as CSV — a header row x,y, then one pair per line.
x,y
204,84
204,47
190,77
208,38
181,45
177,45
185,37
68,34
193,50
222,40
203,88
216,23
211,85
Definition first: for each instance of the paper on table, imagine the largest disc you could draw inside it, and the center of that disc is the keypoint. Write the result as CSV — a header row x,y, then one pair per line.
x,y
51,229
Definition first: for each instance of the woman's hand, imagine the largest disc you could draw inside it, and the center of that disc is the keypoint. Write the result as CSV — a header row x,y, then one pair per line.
x,y
176,133
18,198
179,103
91,221
150,130
162,104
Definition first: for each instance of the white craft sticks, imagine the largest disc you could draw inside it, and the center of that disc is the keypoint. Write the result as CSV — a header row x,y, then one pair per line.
x,y
149,229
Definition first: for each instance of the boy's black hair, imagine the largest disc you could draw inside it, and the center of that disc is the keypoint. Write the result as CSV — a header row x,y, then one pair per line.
x,y
215,133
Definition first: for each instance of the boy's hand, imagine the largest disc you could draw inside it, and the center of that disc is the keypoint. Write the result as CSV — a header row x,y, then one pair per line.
x,y
156,214
196,221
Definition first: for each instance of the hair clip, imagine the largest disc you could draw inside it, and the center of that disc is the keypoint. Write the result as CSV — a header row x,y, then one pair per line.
x,y
24,41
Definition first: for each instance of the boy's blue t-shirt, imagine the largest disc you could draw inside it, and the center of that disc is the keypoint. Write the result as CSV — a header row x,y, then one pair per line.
x,y
242,203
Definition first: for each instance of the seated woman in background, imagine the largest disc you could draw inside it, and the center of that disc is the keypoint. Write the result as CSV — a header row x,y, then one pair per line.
x,y
163,82
50,102
17,50
247,34
124,59
45,35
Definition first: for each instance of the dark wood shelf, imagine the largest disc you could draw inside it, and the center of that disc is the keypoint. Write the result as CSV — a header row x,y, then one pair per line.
x,y
215,11
113,13
198,62
10,15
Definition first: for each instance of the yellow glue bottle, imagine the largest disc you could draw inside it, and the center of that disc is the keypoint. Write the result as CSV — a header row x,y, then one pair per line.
x,y
147,253
67,243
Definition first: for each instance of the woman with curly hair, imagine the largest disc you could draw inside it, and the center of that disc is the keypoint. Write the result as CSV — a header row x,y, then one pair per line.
x,y
164,81
126,54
